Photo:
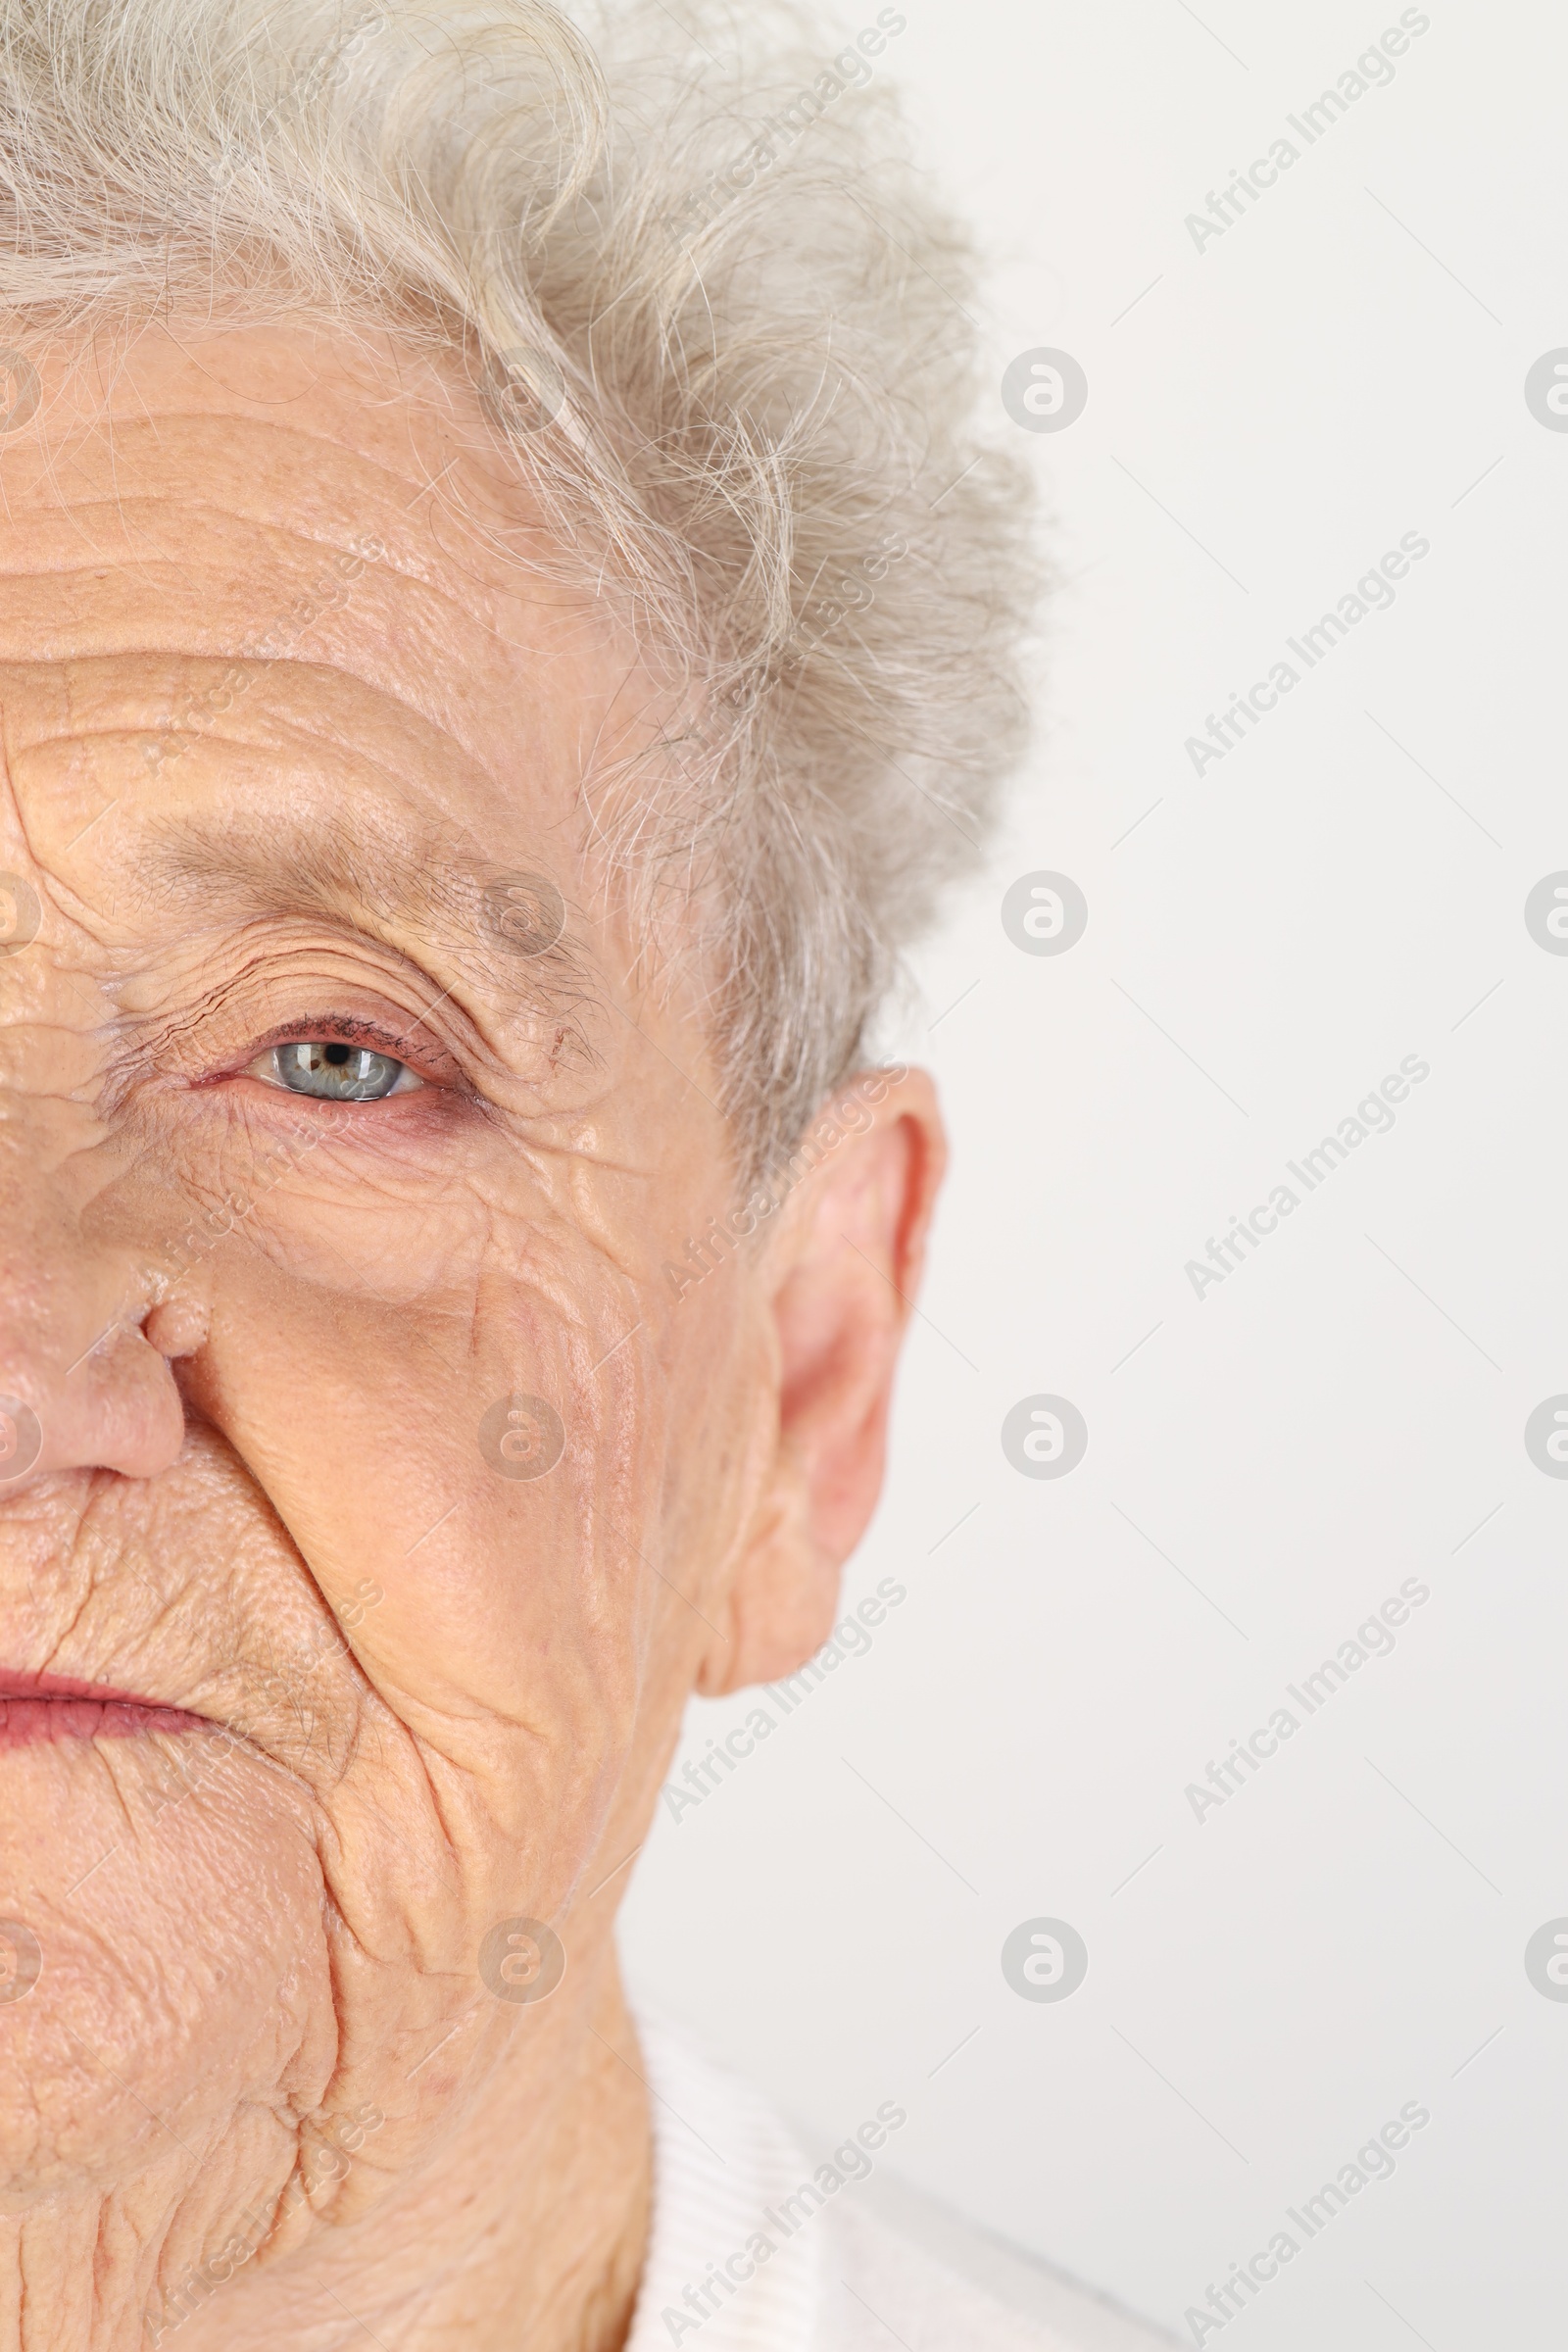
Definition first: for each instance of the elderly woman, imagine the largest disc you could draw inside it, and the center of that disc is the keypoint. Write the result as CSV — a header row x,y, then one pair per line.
x,y
502,634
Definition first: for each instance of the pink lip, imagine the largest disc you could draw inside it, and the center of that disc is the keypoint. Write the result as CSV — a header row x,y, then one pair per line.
x,y
35,1707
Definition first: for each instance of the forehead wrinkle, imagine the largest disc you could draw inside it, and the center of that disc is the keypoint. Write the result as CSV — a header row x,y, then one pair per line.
x,y
286,537
359,471
337,504
344,638
84,515
78,422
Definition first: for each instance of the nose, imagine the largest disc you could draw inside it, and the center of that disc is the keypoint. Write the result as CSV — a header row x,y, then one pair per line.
x,y
83,1385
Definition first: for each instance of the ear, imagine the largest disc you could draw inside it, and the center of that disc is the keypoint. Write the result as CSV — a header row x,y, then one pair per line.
x,y
842,1289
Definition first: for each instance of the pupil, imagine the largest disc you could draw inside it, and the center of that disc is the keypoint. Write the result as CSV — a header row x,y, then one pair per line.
x,y
337,1055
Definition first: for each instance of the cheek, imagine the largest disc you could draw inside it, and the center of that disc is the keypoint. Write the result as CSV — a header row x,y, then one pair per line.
x,y
487,1449
479,1399
392,1217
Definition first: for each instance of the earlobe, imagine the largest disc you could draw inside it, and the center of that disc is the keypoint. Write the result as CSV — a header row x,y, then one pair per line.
x,y
781,1598
846,1272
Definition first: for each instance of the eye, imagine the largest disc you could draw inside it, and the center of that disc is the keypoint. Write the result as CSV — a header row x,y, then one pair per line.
x,y
333,1072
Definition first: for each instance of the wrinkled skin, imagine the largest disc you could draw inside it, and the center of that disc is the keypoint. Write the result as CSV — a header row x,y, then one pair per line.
x,y
261,1331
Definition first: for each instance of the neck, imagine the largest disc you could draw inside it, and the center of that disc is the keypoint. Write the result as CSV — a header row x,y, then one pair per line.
x,y
525,2226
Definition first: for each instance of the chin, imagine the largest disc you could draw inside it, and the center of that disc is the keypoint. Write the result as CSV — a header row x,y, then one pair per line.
x,y
164,1966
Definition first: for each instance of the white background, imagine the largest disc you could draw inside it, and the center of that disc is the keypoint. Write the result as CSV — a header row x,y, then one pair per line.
x,y
1346,364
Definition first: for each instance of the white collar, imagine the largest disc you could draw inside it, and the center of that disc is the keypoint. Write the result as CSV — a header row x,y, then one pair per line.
x,y
723,2165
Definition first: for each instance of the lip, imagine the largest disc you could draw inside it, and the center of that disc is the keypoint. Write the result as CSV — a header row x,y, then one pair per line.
x,y
39,1707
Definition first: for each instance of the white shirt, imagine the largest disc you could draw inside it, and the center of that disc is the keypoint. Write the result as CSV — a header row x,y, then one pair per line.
x,y
755,2248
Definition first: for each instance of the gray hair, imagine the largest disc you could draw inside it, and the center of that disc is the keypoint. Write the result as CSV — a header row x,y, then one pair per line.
x,y
699,279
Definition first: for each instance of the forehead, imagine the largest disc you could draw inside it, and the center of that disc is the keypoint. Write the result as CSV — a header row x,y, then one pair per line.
x,y
310,548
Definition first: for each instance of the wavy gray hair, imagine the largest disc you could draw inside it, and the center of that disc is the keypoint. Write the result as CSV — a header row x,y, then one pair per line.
x,y
697,274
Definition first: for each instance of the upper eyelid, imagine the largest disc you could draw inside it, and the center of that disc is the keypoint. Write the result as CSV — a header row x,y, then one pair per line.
x,y
417,1013
239,999
348,1029
343,1028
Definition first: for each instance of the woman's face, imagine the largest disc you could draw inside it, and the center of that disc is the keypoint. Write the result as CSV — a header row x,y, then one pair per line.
x,y
354,1432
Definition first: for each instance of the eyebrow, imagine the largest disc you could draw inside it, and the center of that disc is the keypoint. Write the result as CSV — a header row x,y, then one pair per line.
x,y
432,887
305,869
